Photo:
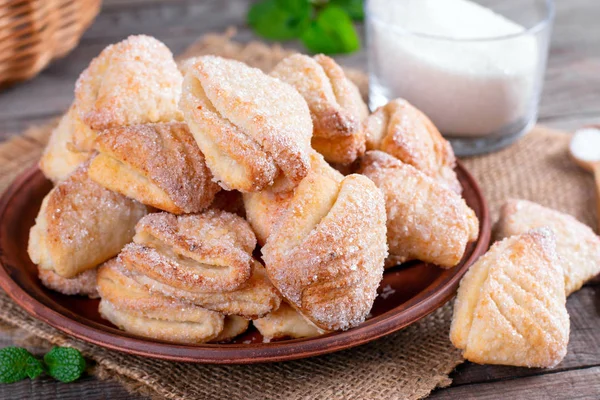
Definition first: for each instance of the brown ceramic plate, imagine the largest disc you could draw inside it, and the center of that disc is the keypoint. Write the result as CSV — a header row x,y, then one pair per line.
x,y
408,292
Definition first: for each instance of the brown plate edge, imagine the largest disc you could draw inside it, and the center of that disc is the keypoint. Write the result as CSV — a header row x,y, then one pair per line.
x,y
252,353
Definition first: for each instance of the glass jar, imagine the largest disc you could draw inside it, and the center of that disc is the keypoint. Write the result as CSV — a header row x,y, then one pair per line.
x,y
476,68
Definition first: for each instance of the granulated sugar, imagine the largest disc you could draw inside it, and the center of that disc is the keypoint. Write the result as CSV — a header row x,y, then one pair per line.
x,y
434,53
585,144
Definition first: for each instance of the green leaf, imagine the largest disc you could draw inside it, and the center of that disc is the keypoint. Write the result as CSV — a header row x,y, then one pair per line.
x,y
354,8
35,368
332,32
297,7
17,364
64,363
279,19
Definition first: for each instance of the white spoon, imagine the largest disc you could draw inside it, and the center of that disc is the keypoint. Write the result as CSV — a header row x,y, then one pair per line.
x,y
585,150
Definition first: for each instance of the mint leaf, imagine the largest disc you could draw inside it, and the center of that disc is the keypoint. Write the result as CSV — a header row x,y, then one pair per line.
x,y
35,368
297,7
332,32
64,363
354,8
17,364
279,19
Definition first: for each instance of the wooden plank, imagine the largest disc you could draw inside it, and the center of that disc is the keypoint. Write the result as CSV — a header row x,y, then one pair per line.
x,y
165,19
572,122
87,388
583,350
569,385
116,4
572,81
16,127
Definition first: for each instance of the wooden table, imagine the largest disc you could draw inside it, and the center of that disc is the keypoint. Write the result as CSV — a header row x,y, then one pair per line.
x,y
571,99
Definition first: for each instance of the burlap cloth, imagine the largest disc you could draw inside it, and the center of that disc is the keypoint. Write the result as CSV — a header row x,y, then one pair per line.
x,y
405,365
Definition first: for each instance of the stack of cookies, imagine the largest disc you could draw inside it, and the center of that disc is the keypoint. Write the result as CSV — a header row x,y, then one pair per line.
x,y
167,177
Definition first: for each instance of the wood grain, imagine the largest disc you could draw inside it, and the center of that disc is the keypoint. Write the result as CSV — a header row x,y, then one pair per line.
x,y
570,100
87,388
568,385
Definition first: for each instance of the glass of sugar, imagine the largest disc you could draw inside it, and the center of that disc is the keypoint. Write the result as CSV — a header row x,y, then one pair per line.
x,y
475,67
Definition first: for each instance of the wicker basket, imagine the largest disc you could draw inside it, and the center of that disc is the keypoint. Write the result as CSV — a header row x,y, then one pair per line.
x,y
34,32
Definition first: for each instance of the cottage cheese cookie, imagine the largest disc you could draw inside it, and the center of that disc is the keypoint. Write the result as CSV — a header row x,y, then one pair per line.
x,y
80,225
285,323
205,259
83,284
425,220
58,161
132,308
233,326
263,210
510,308
335,104
159,165
135,81
326,253
254,130
399,129
211,251
254,299
576,244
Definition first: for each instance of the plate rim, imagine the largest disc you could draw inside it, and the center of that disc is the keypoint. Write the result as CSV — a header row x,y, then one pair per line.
x,y
417,308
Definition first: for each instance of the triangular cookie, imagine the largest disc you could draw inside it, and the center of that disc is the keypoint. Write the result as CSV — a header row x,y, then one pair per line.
x,y
510,307
576,244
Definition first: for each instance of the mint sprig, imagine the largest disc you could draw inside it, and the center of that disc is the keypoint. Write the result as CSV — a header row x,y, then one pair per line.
x,y
279,20
324,26
17,364
331,32
354,8
62,363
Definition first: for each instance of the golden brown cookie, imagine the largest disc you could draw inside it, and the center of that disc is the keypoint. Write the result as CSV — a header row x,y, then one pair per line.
x,y
254,299
83,284
80,225
135,81
326,253
211,251
576,244
510,308
203,258
132,308
254,130
159,165
58,161
425,220
336,106
263,210
401,130
285,323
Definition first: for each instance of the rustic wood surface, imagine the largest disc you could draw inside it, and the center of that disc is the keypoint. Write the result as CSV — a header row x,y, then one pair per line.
x,y
570,100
